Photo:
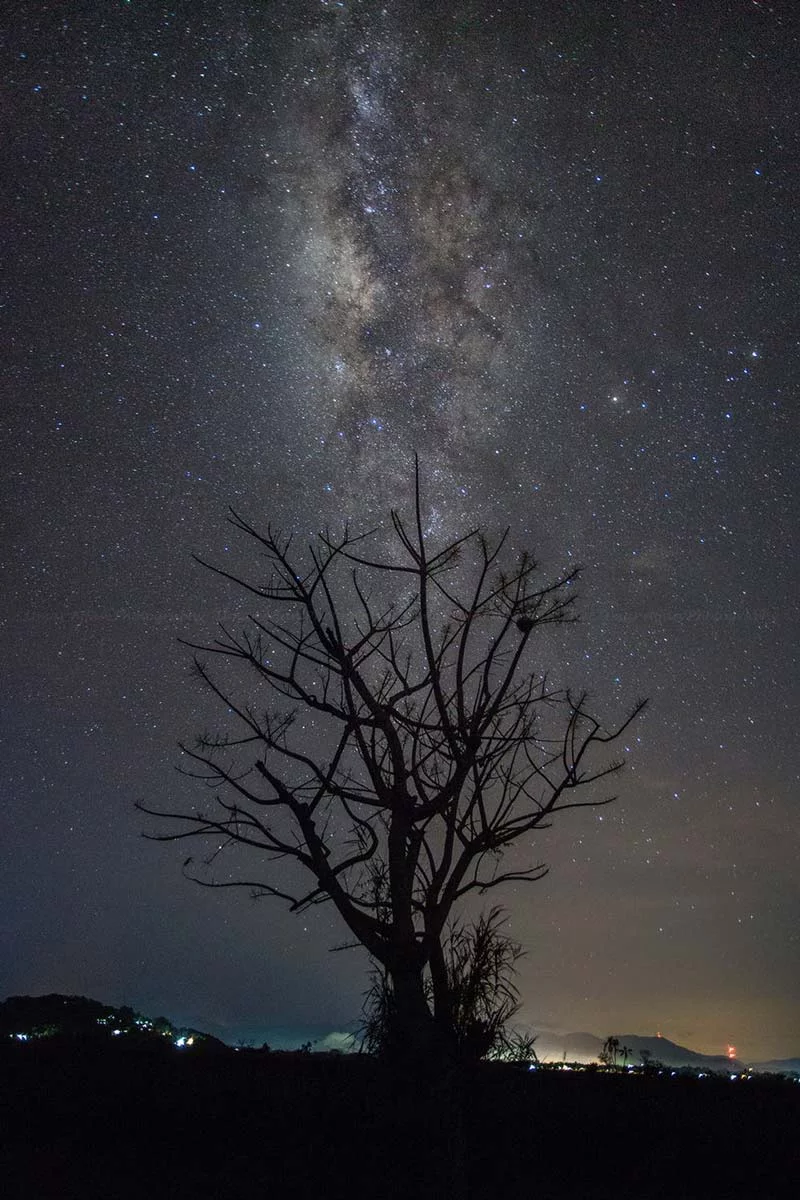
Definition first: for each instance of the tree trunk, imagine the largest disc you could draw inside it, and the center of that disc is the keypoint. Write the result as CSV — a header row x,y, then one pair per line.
x,y
442,994
412,1035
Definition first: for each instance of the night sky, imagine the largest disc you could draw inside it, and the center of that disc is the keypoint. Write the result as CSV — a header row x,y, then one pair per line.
x,y
256,254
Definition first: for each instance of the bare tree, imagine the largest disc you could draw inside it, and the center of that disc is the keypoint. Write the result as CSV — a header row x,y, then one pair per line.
x,y
389,740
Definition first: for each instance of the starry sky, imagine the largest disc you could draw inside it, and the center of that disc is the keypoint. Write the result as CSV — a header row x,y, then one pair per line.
x,y
257,253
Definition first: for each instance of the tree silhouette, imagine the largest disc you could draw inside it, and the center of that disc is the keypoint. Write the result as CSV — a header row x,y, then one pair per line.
x,y
608,1055
390,746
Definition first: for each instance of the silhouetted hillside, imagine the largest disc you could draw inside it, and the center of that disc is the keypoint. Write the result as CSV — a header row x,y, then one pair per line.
x,y
671,1054
585,1047
33,1018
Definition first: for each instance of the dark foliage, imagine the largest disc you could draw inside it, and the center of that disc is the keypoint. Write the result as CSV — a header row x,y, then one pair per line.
x,y
480,962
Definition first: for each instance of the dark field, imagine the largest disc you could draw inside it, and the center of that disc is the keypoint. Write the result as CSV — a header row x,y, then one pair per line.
x,y
126,1121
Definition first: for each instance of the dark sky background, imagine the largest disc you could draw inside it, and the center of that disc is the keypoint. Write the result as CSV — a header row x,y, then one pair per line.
x,y
258,252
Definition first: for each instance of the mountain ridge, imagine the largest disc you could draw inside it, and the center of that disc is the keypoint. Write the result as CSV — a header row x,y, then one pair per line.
x,y
586,1047
36,1016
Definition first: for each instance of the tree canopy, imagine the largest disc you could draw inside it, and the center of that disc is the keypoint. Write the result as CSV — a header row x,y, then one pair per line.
x,y
390,740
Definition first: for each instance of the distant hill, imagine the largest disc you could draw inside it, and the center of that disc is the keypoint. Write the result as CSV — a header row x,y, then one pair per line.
x,y
669,1053
580,1047
29,1018
585,1047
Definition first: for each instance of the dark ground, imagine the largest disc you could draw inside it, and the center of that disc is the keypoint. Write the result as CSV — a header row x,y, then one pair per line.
x,y
125,1121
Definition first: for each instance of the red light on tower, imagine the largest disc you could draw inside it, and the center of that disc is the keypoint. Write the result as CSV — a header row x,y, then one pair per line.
x,y
731,1052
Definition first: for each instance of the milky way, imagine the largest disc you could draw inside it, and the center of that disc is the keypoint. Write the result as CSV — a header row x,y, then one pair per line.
x,y
262,252
413,232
